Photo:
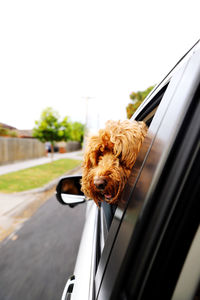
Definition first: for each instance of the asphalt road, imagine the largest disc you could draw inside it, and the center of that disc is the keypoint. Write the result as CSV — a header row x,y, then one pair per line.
x,y
37,262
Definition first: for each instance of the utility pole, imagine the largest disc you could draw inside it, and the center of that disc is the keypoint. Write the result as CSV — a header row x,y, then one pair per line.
x,y
87,98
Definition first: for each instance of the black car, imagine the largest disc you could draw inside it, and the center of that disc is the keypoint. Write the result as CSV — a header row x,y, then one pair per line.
x,y
148,247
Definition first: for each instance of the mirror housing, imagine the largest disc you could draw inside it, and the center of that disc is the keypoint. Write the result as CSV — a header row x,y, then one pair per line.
x,y
68,191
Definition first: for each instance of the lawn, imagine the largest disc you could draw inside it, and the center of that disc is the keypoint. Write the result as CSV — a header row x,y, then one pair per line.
x,y
36,176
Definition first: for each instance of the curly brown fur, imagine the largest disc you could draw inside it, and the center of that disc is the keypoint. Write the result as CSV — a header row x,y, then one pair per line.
x,y
109,158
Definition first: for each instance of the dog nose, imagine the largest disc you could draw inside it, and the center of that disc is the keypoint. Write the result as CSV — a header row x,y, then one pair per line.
x,y
100,183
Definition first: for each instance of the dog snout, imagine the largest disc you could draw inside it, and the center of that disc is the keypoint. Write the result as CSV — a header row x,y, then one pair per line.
x,y
100,183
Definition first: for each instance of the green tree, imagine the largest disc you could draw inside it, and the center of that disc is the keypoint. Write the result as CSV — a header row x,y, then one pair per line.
x,y
77,131
65,132
137,99
50,129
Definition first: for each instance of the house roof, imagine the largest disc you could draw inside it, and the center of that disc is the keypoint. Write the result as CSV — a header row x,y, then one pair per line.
x,y
20,133
7,126
25,133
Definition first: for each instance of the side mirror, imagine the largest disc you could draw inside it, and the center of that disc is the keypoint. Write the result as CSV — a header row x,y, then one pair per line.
x,y
68,191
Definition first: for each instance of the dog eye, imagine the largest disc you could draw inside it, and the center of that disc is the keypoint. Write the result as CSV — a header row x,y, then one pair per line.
x,y
99,156
120,156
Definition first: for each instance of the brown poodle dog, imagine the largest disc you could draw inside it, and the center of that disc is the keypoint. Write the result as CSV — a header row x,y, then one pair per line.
x,y
109,158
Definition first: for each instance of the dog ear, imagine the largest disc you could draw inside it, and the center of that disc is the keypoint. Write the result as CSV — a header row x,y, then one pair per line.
x,y
86,161
128,140
125,149
93,148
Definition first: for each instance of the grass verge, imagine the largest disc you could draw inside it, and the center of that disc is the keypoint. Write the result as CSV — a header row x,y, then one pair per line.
x,y
36,176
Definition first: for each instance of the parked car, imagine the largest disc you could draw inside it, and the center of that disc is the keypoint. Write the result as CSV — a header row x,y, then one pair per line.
x,y
148,246
48,147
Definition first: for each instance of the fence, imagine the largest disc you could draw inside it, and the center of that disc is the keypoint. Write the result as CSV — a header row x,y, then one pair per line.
x,y
16,149
73,146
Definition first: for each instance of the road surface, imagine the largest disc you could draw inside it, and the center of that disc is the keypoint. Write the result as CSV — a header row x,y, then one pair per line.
x,y
40,257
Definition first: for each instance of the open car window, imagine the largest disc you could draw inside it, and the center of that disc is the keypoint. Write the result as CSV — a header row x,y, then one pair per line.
x,y
146,115
110,215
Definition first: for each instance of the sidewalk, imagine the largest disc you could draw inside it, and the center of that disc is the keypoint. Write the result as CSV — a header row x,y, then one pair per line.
x,y
38,161
12,205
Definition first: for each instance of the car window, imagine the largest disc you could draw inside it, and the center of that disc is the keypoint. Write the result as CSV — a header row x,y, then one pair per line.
x,y
146,115
111,215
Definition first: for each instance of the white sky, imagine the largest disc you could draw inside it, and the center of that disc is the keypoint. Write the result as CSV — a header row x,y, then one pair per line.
x,y
55,53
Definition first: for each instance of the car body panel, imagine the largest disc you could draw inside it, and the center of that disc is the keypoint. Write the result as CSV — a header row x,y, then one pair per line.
x,y
85,263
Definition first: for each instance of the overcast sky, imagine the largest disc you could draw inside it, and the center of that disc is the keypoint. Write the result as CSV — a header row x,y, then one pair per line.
x,y
56,53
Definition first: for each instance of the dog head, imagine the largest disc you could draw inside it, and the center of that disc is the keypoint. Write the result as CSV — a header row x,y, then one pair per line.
x,y
109,158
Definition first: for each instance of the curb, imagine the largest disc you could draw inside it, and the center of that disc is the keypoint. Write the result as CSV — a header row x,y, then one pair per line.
x,y
18,208
50,184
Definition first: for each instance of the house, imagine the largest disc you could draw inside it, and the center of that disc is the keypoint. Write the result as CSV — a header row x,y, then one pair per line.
x,y
3,125
25,133
7,130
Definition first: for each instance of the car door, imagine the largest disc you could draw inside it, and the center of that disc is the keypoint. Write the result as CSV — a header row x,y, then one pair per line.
x,y
134,262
